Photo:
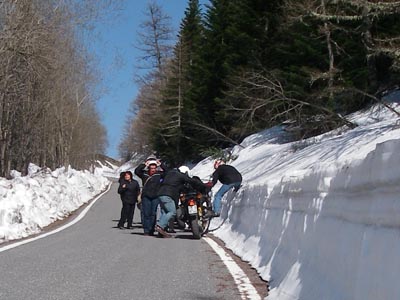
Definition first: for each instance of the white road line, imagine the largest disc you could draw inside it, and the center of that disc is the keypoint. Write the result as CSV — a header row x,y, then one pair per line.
x,y
74,221
246,289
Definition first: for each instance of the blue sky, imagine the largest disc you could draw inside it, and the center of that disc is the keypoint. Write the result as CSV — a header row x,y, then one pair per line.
x,y
113,40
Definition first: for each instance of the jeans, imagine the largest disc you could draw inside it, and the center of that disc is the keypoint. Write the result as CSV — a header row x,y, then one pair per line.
x,y
221,192
168,210
149,209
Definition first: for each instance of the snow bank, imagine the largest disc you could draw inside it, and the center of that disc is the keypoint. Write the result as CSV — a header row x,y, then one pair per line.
x,y
106,170
319,219
27,204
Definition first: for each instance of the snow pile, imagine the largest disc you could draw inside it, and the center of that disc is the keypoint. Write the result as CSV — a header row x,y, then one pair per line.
x,y
319,219
27,204
127,166
108,169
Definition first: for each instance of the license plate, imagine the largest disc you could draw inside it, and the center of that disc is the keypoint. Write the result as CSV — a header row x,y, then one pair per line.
x,y
192,210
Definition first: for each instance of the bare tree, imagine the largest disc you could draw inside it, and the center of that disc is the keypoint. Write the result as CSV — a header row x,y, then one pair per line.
x,y
264,100
145,117
155,43
155,38
363,14
45,80
24,43
357,18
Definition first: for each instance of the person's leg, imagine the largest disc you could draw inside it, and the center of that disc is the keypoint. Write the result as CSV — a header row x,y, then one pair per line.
x,y
236,186
161,209
153,214
131,211
140,207
169,210
147,214
123,217
171,225
171,222
218,196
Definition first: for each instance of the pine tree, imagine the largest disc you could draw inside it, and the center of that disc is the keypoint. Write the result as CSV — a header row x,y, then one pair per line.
x,y
355,43
174,139
324,59
236,39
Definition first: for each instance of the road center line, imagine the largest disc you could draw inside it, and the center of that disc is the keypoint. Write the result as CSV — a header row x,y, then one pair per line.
x,y
246,289
74,221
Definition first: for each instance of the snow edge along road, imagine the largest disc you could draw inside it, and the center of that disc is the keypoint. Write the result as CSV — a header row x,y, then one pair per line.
x,y
246,289
69,224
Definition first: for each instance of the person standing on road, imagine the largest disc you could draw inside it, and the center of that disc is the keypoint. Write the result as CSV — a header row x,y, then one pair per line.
x,y
151,174
129,191
229,177
121,178
168,194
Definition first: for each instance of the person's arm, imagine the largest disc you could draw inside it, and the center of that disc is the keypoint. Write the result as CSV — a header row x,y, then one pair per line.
x,y
215,177
163,166
197,184
137,189
139,171
122,187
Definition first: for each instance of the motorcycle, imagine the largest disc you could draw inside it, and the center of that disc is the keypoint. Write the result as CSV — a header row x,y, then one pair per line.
x,y
192,212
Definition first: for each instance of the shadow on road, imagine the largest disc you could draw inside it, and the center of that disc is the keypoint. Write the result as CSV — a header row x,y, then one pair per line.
x,y
184,237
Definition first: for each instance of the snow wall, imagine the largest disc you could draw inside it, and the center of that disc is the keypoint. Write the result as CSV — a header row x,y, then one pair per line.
x,y
328,230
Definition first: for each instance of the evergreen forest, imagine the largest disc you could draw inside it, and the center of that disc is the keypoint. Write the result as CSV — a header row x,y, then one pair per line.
x,y
240,66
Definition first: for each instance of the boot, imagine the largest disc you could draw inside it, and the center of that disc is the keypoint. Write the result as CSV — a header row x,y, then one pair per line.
x,y
162,232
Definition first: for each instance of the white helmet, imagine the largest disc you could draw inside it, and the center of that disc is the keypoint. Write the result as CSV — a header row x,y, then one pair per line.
x,y
151,162
184,169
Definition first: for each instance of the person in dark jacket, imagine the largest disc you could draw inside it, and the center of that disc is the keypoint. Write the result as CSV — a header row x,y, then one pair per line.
x,y
229,177
129,191
151,174
121,178
168,193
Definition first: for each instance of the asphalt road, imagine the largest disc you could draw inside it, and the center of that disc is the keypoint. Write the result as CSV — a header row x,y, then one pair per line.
x,y
94,260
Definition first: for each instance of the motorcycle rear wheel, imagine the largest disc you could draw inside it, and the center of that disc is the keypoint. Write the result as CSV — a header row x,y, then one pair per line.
x,y
194,224
180,215
206,225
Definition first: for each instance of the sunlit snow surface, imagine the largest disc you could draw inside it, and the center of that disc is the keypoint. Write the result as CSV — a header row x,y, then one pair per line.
x,y
29,203
319,219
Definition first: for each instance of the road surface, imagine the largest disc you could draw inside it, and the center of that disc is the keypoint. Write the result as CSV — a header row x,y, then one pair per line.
x,y
94,260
